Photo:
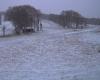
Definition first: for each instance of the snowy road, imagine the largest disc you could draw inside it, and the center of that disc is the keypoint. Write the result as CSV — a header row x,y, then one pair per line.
x,y
49,55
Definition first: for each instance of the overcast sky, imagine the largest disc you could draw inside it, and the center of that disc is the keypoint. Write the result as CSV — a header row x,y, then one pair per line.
x,y
88,8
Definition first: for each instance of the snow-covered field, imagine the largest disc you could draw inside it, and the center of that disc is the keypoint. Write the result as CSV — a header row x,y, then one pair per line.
x,y
51,54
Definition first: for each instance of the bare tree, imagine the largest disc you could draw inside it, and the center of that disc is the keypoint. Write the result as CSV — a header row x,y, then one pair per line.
x,y
23,17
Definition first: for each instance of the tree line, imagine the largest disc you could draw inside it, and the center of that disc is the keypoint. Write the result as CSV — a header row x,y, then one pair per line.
x,y
70,19
26,18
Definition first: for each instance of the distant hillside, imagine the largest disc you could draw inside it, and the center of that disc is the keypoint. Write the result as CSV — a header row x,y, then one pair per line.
x,y
95,21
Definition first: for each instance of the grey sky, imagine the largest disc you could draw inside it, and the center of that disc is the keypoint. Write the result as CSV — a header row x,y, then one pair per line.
x,y
88,8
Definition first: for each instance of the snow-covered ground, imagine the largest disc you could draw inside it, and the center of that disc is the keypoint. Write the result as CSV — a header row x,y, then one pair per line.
x,y
8,28
51,54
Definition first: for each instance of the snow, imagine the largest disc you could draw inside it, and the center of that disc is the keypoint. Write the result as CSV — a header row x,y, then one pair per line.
x,y
9,28
51,54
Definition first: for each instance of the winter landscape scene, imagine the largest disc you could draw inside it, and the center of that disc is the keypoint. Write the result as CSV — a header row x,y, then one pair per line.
x,y
49,40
